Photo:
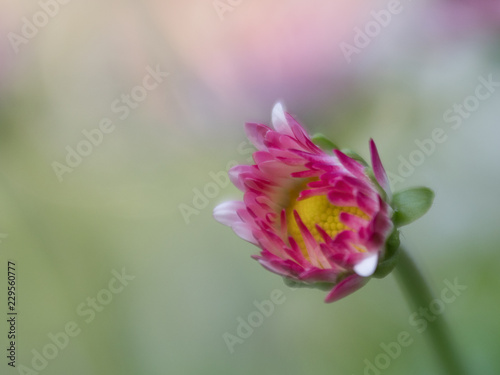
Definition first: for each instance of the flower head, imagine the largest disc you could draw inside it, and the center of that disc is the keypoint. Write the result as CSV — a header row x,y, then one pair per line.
x,y
321,218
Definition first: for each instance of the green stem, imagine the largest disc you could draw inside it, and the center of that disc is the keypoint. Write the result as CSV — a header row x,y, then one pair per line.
x,y
418,294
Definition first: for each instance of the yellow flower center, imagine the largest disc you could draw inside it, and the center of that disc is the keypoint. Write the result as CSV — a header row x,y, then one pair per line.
x,y
317,210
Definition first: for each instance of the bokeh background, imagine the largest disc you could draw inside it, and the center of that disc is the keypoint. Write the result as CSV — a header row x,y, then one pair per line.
x,y
142,198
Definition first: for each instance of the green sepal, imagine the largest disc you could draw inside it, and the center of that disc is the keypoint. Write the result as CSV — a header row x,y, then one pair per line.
x,y
355,156
411,204
323,142
291,283
371,175
389,261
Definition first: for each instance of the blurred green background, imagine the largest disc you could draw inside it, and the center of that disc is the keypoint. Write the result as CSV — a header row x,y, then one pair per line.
x,y
127,204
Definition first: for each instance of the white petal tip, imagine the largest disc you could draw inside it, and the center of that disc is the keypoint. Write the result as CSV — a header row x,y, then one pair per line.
x,y
242,230
225,213
279,119
367,266
279,109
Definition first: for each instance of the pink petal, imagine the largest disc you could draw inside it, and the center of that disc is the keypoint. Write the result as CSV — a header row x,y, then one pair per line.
x,y
341,199
330,255
226,213
279,120
347,286
275,168
318,184
356,168
268,244
274,267
322,158
314,275
353,221
378,168
262,156
281,141
244,231
375,242
291,161
253,206
265,201
346,260
245,215
359,184
258,185
281,267
301,135
295,249
237,174
381,223
366,203
283,226
256,134
316,257
323,233
304,194
305,174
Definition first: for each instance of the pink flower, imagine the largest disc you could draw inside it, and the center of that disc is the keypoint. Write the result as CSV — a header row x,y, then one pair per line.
x,y
319,218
